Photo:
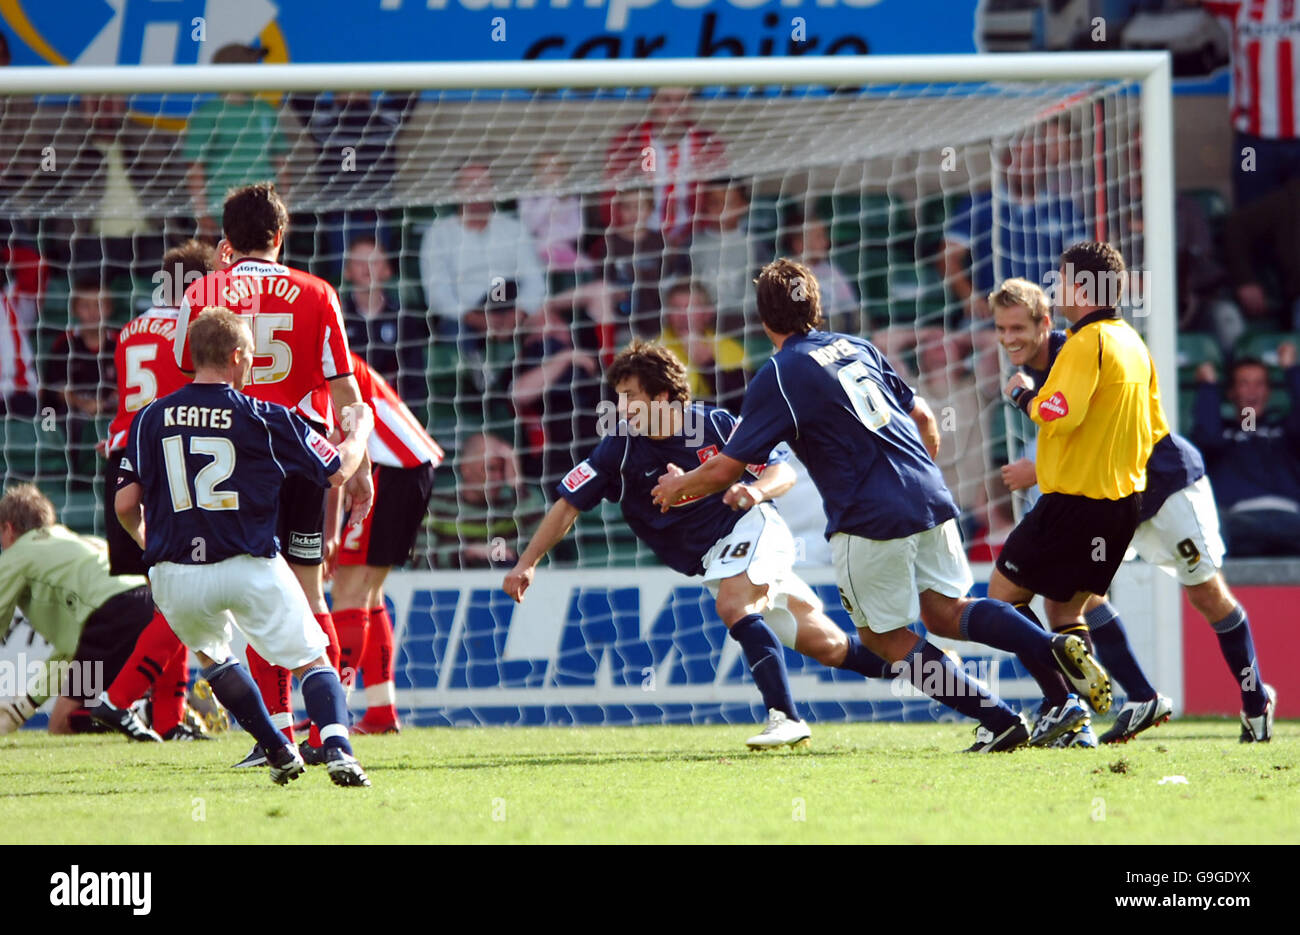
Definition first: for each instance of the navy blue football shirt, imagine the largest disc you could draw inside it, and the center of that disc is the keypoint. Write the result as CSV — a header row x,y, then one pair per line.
x,y
624,468
1175,462
847,415
211,461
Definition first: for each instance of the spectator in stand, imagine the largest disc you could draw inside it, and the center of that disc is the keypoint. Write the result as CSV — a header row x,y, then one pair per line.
x,y
388,338
1253,459
118,173
667,150
478,522
716,366
355,133
807,241
634,261
1203,304
722,254
555,221
1264,45
231,140
1263,237
473,252
80,376
17,370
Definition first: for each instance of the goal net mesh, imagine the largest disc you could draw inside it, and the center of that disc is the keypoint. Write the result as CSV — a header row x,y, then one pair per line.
x,y
493,250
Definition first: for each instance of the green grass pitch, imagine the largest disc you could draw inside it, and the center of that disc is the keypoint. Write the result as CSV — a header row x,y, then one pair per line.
x,y
859,783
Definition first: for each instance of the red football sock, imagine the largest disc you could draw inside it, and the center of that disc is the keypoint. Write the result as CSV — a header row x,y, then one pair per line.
x,y
377,667
154,649
352,625
273,683
169,693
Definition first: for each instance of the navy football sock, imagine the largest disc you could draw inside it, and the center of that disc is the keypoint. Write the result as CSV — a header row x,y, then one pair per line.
x,y
1114,652
766,661
237,692
1016,630
931,671
327,706
863,661
1238,650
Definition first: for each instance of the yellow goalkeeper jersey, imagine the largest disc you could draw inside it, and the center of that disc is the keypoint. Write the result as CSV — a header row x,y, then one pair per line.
x,y
1099,412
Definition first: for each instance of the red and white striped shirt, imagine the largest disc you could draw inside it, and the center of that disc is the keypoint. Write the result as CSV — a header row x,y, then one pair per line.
x,y
641,149
16,370
1265,41
399,440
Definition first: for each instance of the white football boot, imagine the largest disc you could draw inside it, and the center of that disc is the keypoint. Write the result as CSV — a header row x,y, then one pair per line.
x,y
780,732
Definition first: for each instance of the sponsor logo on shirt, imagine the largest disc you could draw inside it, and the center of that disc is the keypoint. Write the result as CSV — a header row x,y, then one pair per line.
x,y
578,476
321,447
705,454
1054,408
305,545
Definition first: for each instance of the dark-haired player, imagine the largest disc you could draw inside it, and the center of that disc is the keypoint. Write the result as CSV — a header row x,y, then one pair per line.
x,y
404,459
737,541
202,472
869,442
1178,533
1098,417
146,370
301,361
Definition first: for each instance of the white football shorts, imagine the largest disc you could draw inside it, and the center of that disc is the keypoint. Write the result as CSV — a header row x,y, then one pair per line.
x,y
1183,537
260,596
761,546
881,580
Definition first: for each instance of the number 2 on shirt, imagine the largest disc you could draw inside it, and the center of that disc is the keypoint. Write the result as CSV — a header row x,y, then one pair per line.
x,y
864,393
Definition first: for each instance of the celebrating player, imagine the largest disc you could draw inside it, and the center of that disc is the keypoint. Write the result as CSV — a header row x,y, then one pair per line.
x,y
1099,415
404,458
1178,532
203,470
891,521
300,361
737,541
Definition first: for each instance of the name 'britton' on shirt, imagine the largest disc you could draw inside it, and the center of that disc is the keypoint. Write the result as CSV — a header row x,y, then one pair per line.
x,y
242,288
200,417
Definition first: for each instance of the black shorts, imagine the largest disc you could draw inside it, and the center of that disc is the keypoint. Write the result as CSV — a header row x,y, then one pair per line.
x,y
388,534
301,521
107,641
125,557
1067,544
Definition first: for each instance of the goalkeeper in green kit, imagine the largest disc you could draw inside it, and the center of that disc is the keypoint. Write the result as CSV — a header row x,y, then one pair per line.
x,y
94,621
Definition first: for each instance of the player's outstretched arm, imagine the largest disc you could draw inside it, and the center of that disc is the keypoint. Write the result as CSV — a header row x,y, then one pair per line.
x,y
927,424
717,473
130,511
555,526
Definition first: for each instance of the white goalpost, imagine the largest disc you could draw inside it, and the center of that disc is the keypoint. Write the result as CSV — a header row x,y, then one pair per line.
x,y
628,198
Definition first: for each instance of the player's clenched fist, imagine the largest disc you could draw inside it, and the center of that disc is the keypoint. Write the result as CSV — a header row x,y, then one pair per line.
x,y
665,491
1019,475
1021,380
742,496
518,581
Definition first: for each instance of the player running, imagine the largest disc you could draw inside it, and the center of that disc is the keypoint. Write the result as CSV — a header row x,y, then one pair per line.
x,y
203,470
1178,532
300,361
736,541
404,459
891,521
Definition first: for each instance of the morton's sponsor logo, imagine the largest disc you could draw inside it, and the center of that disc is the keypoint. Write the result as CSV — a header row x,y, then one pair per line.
x,y
321,447
1054,408
705,454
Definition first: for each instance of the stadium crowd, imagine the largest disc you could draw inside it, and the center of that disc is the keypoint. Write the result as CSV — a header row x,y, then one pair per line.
x,y
494,320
